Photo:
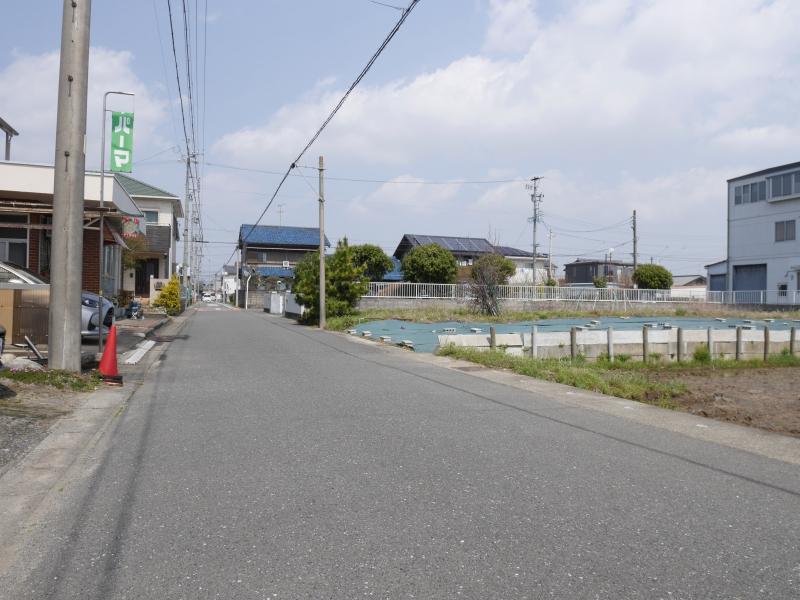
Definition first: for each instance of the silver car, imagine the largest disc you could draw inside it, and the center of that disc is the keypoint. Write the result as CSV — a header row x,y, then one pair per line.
x,y
15,274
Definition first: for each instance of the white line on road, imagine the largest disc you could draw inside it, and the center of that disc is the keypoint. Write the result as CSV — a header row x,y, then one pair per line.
x,y
141,350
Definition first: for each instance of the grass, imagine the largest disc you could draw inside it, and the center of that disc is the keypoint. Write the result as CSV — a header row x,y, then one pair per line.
x,y
632,384
651,382
435,314
62,380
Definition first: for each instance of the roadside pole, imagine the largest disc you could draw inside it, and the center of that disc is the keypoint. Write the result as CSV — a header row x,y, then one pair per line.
x,y
64,318
102,208
186,217
321,245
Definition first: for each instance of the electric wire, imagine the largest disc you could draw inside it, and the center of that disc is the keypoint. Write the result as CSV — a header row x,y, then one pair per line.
x,y
333,112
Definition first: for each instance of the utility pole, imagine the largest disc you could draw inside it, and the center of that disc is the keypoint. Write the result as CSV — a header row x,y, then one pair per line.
x,y
186,218
550,254
635,240
280,214
321,244
64,342
536,199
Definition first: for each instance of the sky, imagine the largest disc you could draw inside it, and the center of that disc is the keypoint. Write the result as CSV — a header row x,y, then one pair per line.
x,y
619,105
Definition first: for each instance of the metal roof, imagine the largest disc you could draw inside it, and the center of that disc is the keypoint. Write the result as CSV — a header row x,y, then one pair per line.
x,y
456,245
134,188
770,171
509,251
263,235
681,280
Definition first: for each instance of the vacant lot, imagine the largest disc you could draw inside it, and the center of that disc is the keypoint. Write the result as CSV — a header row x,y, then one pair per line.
x,y
764,395
30,403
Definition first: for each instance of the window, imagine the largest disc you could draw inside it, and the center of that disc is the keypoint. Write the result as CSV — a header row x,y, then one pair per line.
x,y
785,231
785,185
783,288
745,194
150,216
737,195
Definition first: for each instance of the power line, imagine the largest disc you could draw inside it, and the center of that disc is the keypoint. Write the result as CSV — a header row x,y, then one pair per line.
x,y
367,180
178,78
333,112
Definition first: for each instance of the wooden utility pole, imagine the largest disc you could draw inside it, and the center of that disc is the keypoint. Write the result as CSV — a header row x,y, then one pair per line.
x,y
321,244
64,343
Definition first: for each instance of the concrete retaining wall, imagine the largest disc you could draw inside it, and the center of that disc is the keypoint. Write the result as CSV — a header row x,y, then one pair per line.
x,y
663,343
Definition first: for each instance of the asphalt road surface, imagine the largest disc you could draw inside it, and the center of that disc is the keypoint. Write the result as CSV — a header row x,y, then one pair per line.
x,y
267,460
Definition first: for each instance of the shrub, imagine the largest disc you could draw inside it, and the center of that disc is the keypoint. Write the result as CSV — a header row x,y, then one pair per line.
x,y
701,354
488,273
652,277
345,283
600,282
170,297
551,282
430,264
681,312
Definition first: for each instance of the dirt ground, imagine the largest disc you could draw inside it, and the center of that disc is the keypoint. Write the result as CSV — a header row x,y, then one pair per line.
x,y
26,413
768,398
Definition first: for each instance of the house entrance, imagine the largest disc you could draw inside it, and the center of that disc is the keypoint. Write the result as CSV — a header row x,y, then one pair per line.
x,y
144,270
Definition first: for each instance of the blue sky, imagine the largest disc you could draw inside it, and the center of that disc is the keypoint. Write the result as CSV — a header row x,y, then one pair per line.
x,y
620,105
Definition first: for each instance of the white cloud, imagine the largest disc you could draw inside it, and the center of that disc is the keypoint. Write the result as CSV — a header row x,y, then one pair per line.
x,y
28,95
648,105
512,26
408,194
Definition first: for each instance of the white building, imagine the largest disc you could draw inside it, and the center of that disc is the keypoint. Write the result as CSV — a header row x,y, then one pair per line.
x,y
524,272
763,248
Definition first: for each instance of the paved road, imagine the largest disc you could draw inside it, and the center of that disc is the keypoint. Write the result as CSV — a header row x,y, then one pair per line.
x,y
265,460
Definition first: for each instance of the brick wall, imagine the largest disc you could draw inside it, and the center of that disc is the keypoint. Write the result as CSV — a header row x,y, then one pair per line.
x,y
91,261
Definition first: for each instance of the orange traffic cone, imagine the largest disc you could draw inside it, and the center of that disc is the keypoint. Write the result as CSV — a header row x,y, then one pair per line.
x,y
108,364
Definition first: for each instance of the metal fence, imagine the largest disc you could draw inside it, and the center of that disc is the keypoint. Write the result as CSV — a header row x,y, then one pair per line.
x,y
530,293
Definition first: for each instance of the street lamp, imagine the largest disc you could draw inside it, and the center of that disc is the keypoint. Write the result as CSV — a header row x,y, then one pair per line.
x,y
102,208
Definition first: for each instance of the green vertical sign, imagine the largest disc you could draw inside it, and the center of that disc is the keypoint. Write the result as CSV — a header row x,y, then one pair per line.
x,y
121,142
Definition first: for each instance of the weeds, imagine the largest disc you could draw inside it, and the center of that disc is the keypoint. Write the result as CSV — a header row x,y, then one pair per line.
x,y
62,380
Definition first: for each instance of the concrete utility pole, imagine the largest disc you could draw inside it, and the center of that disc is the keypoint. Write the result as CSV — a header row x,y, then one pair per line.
x,y
536,199
321,244
186,217
550,254
635,240
64,341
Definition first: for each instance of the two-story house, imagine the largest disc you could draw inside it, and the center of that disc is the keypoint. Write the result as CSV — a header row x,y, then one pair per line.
x,y
274,251
156,256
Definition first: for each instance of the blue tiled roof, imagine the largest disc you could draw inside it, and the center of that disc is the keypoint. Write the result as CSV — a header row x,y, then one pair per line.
x,y
275,272
281,236
396,274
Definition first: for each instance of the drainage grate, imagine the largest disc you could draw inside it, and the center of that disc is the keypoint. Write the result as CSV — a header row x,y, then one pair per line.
x,y
468,369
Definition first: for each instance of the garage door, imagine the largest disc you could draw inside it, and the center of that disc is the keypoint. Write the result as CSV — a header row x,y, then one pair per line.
x,y
749,277
716,283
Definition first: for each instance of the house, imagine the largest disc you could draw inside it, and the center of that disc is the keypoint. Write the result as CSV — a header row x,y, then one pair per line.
x,y
229,281
156,254
522,260
584,271
689,286
26,204
274,251
763,250
465,249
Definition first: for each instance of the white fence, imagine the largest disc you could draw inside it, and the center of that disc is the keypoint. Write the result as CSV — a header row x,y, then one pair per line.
x,y
461,291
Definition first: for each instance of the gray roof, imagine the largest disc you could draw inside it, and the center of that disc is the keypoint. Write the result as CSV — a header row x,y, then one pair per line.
x,y
134,188
509,251
770,171
456,245
681,280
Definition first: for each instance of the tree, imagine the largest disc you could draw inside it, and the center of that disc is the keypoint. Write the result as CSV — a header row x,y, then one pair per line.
x,y
345,283
430,264
373,259
131,256
652,277
489,272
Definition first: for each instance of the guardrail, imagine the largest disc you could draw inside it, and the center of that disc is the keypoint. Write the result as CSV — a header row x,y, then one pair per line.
x,y
461,291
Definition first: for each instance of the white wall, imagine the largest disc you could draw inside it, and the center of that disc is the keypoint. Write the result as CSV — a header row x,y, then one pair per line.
x,y
752,236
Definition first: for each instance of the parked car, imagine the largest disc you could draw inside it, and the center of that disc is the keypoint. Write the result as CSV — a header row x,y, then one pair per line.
x,y
15,274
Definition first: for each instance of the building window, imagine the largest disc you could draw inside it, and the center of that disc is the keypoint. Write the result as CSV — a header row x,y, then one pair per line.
x,y
150,216
785,185
737,195
785,231
783,290
751,192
